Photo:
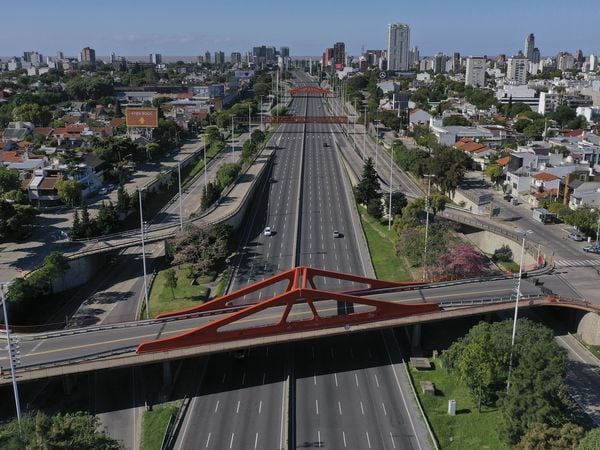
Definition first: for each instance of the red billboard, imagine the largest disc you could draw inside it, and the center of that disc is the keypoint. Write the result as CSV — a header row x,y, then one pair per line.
x,y
141,117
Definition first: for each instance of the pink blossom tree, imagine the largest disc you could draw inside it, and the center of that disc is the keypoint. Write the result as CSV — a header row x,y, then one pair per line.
x,y
460,261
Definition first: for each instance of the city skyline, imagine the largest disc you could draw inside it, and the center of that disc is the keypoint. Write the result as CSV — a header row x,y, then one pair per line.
x,y
462,26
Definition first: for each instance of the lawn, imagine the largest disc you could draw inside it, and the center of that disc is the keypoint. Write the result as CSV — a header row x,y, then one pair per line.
x,y
509,266
388,266
154,425
468,429
185,295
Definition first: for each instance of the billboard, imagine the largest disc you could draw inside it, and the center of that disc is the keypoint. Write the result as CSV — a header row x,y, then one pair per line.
x,y
141,117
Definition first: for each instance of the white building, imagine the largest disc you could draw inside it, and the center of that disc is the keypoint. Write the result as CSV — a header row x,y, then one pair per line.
x,y
588,194
516,70
518,94
475,74
398,46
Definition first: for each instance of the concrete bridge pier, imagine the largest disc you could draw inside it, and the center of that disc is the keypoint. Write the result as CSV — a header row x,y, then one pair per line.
x,y
167,374
415,337
589,328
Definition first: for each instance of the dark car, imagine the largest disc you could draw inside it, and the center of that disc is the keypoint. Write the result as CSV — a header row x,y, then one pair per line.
x,y
592,249
325,144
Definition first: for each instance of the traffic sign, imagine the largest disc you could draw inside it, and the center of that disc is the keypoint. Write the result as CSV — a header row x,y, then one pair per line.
x,y
382,75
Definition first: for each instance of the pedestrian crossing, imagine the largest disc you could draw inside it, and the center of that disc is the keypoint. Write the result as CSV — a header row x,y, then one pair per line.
x,y
577,262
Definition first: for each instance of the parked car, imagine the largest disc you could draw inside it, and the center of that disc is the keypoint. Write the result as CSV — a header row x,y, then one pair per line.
x,y
336,234
268,231
103,191
592,249
576,236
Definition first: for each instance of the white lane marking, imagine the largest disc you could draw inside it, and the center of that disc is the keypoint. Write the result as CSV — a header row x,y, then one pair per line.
x,y
362,409
392,439
237,409
217,406
376,380
340,407
317,406
384,410
335,378
356,379
572,349
281,425
208,439
231,441
315,379
256,441
319,437
344,438
368,440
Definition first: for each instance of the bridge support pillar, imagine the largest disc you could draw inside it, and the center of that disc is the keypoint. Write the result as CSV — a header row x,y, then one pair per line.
x,y
67,384
415,338
167,374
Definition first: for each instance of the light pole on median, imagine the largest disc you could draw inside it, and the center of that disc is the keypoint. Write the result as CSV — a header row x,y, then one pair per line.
x,y
429,176
205,176
143,231
261,113
391,180
365,136
180,200
518,298
13,355
232,140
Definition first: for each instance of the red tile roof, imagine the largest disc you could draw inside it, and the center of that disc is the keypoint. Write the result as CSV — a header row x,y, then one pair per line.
x,y
11,156
545,176
503,161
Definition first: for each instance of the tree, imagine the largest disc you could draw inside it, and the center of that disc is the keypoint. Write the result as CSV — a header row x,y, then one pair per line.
x,y
541,436
591,441
534,394
375,208
31,112
368,187
398,202
212,135
108,220
563,114
63,431
227,173
460,261
15,219
69,191
171,281
56,264
456,120
9,180
495,173
202,248
449,166
123,199
210,194
503,254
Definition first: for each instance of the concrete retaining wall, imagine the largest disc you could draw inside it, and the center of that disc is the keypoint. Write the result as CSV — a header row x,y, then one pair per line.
x,y
81,270
488,242
589,328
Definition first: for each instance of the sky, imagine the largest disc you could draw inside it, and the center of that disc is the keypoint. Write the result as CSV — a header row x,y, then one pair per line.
x,y
191,27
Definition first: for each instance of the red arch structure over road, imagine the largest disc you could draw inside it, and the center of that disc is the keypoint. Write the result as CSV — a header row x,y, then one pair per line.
x,y
301,295
309,90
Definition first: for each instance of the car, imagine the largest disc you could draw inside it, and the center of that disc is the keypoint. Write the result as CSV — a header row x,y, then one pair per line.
x,y
103,191
592,249
110,187
336,234
268,231
576,236
325,144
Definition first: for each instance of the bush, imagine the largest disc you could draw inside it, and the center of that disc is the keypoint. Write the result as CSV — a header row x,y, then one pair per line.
x,y
375,208
503,254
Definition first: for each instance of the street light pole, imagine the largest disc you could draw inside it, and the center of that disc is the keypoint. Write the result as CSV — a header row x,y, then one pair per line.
x,y
365,136
180,200
205,176
261,112
429,177
10,354
232,140
390,203
142,229
518,297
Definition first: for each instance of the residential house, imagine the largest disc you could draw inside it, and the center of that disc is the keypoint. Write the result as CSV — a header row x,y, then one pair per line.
x,y
479,153
17,131
586,194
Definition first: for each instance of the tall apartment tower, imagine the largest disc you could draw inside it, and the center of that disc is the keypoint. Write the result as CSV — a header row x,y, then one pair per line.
x,y
88,56
516,70
529,46
339,53
207,58
475,72
398,45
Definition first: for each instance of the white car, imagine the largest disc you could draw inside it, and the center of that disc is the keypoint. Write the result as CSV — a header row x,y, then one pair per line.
x,y
103,191
268,231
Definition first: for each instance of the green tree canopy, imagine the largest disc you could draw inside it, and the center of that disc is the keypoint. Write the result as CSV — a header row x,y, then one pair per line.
x,y
368,187
31,112
69,191
540,436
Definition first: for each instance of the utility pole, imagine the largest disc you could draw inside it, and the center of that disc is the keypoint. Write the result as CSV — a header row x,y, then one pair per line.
x,y
205,168
232,140
12,354
180,200
391,181
429,177
143,231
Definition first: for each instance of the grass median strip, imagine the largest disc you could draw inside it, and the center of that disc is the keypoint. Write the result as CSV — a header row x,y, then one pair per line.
x,y
154,425
388,265
468,429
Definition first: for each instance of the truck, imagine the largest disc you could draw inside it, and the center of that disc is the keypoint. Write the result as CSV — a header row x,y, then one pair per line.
x,y
543,215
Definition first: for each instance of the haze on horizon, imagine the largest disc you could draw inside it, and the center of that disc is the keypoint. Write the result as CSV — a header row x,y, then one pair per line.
x,y
189,27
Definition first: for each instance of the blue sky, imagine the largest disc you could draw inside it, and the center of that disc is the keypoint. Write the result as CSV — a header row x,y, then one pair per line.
x,y
190,27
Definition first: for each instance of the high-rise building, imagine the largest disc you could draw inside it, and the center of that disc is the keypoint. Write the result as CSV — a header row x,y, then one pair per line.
x,y
579,58
328,57
593,62
88,56
565,61
439,65
60,56
456,62
529,46
155,58
219,58
236,58
207,58
475,72
284,51
516,70
536,56
398,45
339,54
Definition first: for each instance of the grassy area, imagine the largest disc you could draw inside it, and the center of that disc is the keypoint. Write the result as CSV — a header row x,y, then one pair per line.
x,y
185,295
154,425
213,151
595,349
388,266
509,266
221,285
468,429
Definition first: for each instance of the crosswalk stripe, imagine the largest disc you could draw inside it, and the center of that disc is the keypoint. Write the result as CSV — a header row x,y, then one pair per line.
x,y
577,262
